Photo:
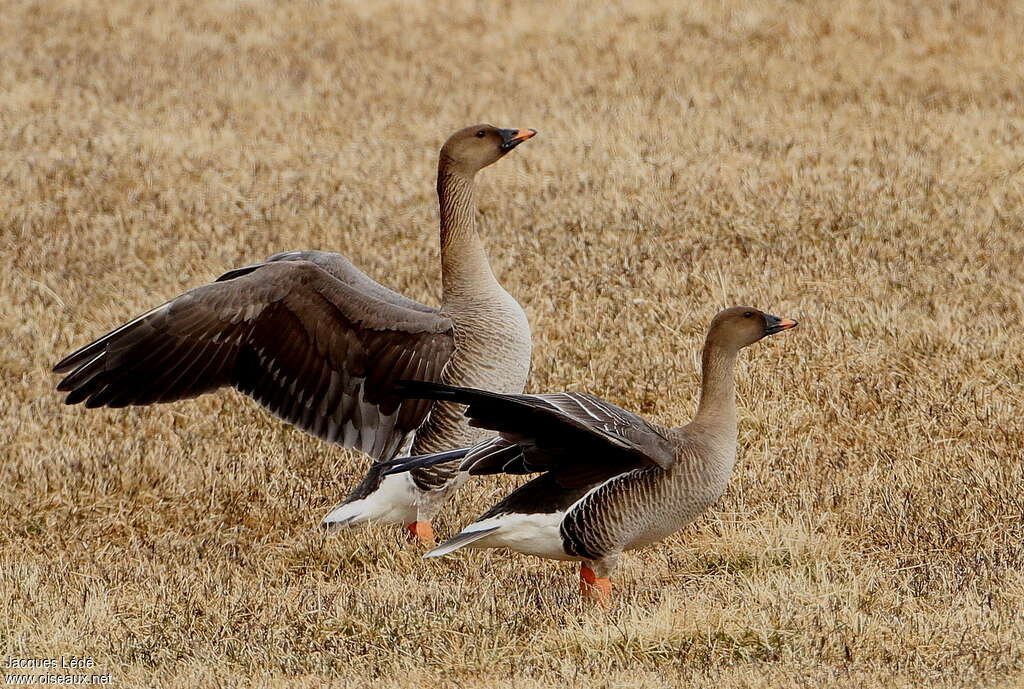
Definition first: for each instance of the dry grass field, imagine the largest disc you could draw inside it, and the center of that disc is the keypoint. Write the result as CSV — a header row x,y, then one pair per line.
x,y
857,166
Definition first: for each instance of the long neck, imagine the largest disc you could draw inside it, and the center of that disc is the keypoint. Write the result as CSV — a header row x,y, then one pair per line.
x,y
465,272
717,405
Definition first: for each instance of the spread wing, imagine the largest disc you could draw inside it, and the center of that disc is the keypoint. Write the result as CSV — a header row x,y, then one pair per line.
x,y
579,439
305,334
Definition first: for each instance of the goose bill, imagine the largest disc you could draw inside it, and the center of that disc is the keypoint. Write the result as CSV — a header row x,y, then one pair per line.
x,y
777,325
510,138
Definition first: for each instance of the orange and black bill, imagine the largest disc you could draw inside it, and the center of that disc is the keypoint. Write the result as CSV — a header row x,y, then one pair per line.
x,y
510,138
774,324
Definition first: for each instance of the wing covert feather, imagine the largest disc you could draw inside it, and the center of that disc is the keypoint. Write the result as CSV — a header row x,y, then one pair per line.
x,y
318,351
580,439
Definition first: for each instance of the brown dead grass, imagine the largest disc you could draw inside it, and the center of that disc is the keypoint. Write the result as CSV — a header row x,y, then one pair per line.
x,y
857,166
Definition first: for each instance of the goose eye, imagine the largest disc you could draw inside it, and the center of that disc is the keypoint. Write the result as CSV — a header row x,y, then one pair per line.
x,y
481,134
748,314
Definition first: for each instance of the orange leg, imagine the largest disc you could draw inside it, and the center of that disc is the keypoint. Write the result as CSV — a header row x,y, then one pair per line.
x,y
422,532
594,587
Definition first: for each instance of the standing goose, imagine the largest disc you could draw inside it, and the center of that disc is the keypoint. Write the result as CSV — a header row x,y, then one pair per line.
x,y
319,344
610,480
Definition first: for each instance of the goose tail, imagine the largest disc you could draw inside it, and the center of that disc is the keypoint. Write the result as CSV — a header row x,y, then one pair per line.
x,y
378,498
460,541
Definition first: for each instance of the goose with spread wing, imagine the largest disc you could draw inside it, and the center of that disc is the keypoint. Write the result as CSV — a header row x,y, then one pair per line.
x,y
610,481
320,345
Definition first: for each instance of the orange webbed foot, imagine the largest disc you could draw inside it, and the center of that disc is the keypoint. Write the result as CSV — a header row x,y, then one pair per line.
x,y
422,532
598,589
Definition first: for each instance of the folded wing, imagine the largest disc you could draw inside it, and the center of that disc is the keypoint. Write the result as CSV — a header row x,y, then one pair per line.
x,y
580,439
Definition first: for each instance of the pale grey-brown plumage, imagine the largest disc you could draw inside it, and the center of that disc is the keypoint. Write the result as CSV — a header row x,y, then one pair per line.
x,y
320,345
611,481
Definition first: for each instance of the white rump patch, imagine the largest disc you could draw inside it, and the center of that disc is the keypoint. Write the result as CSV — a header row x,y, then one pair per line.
x,y
394,501
532,534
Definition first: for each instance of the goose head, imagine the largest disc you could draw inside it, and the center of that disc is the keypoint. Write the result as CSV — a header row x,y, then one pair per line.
x,y
741,326
471,149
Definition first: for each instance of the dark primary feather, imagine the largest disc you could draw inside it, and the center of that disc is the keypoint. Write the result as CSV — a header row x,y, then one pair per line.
x,y
306,334
581,439
542,495
404,464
